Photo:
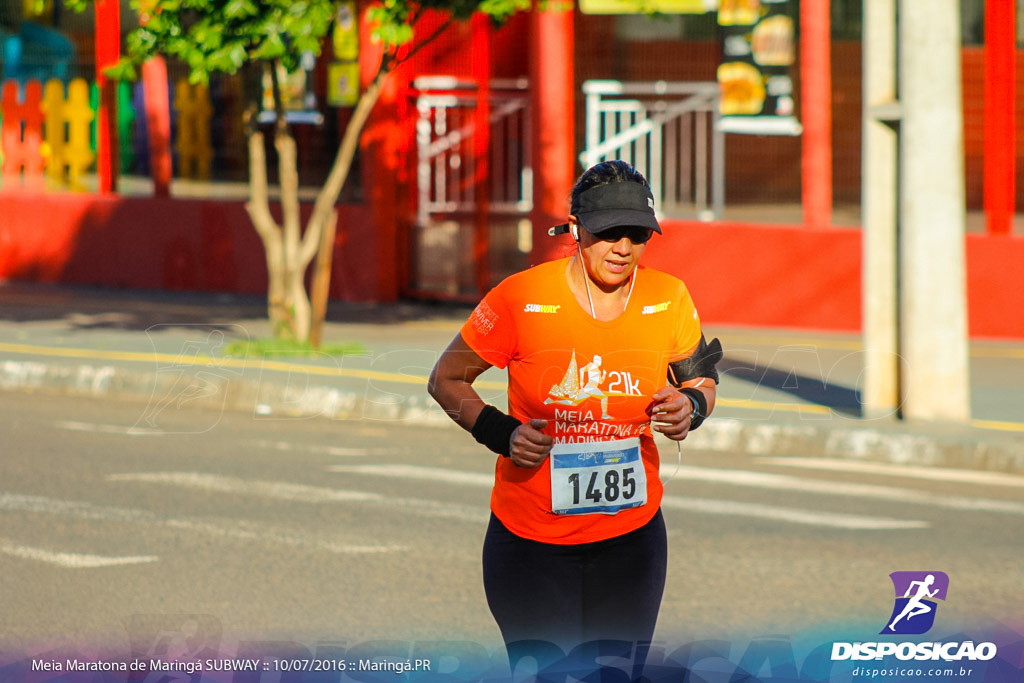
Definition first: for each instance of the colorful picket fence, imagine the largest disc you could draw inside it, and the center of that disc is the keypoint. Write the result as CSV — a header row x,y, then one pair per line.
x,y
192,102
21,130
51,131
66,137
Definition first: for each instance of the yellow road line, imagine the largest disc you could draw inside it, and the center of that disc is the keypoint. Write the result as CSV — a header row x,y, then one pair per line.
x,y
749,404
1001,426
208,361
95,354
996,352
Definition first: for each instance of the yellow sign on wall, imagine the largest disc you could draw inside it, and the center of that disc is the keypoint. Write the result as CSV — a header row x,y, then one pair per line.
x,y
759,45
646,6
345,38
343,84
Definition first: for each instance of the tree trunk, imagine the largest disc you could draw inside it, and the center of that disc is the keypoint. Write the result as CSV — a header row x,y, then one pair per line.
x,y
258,208
289,250
295,257
322,280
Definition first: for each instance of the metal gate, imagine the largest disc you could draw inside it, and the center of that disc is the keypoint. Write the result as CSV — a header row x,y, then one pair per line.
x,y
670,132
473,201
471,226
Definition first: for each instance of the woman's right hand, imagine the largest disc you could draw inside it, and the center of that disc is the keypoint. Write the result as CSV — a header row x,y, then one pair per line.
x,y
530,446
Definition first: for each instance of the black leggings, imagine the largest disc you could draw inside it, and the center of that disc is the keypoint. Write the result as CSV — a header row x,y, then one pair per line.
x,y
572,594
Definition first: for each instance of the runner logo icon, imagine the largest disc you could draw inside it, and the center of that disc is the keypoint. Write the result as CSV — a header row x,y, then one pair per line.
x,y
914,610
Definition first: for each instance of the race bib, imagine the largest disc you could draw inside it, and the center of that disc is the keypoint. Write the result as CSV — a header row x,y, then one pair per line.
x,y
597,477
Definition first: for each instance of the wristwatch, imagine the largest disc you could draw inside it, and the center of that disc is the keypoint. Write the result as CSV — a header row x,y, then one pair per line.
x,y
695,412
696,398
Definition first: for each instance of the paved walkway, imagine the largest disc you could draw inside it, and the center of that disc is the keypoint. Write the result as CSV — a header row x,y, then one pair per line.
x,y
782,393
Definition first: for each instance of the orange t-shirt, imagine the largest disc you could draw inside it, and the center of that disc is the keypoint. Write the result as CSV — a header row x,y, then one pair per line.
x,y
592,380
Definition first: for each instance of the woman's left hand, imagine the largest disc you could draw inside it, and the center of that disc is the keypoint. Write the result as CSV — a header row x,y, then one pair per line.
x,y
670,413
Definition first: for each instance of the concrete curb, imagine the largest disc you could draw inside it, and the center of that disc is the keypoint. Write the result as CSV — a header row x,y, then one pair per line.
x,y
270,397
894,445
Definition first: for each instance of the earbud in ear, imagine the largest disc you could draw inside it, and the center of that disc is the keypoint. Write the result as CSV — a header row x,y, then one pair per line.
x,y
575,232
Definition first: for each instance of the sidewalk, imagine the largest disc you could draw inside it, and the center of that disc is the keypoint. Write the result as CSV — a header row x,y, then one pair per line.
x,y
785,393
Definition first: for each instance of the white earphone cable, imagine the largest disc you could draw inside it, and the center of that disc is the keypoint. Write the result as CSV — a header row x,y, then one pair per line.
x,y
586,282
632,281
679,462
679,446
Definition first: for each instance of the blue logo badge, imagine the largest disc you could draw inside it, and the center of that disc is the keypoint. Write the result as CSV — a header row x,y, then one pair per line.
x,y
916,593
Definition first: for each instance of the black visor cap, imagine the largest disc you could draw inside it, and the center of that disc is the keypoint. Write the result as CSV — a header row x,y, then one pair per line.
x,y
615,204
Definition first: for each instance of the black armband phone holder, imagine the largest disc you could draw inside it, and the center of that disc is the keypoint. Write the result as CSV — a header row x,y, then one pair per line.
x,y
701,363
494,429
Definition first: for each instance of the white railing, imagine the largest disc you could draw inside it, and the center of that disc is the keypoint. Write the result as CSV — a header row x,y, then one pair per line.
x,y
447,178
668,131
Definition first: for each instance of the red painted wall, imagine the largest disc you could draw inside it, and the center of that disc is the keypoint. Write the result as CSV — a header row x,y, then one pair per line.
x,y
995,286
161,243
743,274
791,276
740,274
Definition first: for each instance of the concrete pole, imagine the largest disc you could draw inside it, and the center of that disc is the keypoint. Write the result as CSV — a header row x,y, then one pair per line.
x,y
933,305
879,193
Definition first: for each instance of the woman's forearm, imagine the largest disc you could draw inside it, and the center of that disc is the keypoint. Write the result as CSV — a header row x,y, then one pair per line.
x,y
458,399
451,383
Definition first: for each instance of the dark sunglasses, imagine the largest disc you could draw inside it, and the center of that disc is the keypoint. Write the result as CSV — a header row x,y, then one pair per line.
x,y
636,235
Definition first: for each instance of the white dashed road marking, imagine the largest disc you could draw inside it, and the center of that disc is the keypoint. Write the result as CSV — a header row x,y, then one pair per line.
x,y
70,560
229,529
958,476
302,493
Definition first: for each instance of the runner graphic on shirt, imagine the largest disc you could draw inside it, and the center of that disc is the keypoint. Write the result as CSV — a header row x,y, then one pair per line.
x,y
578,385
594,376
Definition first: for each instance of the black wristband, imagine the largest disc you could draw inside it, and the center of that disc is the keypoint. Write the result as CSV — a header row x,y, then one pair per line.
x,y
493,429
700,404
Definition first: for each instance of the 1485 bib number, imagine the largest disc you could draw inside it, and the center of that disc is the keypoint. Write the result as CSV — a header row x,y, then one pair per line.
x,y
602,477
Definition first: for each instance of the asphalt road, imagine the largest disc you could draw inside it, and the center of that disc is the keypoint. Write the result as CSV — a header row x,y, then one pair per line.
x,y
239,527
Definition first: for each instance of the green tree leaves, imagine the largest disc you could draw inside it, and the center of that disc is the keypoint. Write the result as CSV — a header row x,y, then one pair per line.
x,y
221,36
